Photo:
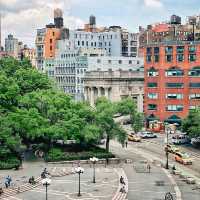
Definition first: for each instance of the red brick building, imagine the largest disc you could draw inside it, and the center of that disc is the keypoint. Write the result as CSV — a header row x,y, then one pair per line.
x,y
172,80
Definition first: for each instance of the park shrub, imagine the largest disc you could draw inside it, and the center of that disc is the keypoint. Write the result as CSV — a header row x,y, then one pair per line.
x,y
9,163
56,154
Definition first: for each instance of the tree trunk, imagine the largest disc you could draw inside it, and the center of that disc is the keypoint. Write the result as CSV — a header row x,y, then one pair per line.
x,y
107,143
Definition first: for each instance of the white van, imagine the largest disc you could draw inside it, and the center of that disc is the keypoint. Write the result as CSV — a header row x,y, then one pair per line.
x,y
180,139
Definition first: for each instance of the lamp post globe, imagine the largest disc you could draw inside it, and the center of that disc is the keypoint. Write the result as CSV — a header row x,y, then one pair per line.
x,y
94,160
79,171
46,182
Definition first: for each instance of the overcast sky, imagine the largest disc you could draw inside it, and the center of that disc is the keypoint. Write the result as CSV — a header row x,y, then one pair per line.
x,y
23,17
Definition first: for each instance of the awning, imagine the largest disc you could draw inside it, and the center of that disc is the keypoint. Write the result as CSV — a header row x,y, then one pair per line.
x,y
174,119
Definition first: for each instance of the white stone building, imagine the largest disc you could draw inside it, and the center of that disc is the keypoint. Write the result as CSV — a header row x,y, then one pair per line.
x,y
115,85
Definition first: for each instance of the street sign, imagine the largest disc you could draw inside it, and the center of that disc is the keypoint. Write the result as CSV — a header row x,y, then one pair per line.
x,y
168,196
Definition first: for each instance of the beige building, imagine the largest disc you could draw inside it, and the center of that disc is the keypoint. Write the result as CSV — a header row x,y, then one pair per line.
x,y
114,85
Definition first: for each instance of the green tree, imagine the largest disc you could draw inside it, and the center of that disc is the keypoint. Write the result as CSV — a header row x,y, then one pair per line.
x,y
128,107
105,111
191,124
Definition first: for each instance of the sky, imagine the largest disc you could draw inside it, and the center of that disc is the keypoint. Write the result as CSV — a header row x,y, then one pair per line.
x,y
23,17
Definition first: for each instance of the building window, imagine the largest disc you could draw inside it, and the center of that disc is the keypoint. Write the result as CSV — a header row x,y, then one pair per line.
x,y
156,50
169,58
169,50
152,95
148,58
98,61
192,57
50,41
192,49
174,96
180,57
174,71
82,43
180,49
51,48
152,107
152,72
152,85
130,61
156,58
194,96
53,33
194,85
174,85
174,108
195,71
109,61
120,61
149,50
78,43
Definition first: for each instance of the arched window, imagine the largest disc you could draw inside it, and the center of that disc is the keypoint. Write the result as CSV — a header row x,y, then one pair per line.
x,y
195,71
174,71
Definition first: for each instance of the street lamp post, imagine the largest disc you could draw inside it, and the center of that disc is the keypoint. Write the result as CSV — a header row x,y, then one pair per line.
x,y
79,171
94,160
46,182
167,152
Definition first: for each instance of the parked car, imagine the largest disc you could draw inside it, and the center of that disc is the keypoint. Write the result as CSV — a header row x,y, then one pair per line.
x,y
196,142
134,138
172,148
146,134
183,158
180,139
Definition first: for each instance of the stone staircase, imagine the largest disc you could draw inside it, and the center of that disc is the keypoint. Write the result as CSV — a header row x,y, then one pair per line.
x,y
11,191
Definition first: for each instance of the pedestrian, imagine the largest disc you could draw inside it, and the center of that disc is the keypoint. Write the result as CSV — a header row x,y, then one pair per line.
x,y
8,180
121,180
126,143
149,168
122,190
1,191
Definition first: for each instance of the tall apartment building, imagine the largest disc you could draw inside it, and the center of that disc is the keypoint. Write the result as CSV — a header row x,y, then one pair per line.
x,y
11,46
39,43
67,69
172,80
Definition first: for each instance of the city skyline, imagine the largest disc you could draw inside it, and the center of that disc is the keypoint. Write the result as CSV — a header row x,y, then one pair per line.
x,y
30,15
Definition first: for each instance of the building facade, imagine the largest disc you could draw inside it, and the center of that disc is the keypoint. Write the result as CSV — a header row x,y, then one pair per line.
x,y
114,85
172,80
39,45
11,46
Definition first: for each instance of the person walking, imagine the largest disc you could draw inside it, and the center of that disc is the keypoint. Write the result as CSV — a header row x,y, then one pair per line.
x,y
148,168
126,143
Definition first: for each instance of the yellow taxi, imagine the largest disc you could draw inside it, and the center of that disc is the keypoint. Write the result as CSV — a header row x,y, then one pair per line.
x,y
134,138
183,158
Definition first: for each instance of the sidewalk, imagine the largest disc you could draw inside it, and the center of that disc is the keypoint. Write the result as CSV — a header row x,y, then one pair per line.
x,y
143,185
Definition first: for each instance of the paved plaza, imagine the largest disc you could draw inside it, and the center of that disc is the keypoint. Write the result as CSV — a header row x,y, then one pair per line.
x,y
66,187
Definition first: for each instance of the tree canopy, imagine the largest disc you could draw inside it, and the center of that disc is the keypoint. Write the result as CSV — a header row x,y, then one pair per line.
x,y
33,110
191,124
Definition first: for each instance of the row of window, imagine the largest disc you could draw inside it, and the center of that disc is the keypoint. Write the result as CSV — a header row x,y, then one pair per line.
x,y
176,72
93,44
169,58
69,89
171,108
119,61
65,70
169,49
90,36
173,96
68,55
65,79
173,85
